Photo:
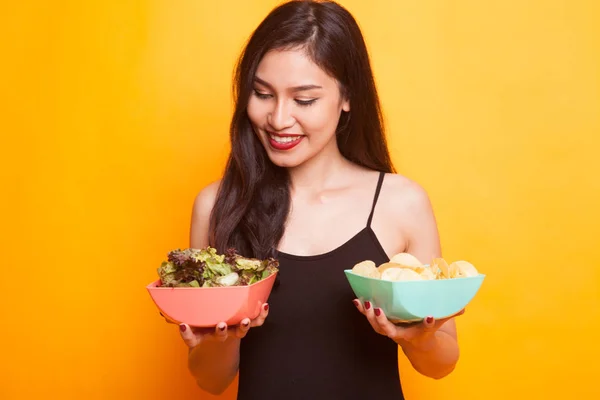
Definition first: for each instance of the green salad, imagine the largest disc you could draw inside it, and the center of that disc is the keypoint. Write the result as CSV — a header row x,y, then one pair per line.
x,y
206,268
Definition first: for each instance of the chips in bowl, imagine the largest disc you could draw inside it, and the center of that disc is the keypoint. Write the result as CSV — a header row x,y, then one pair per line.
x,y
407,290
406,267
368,269
407,260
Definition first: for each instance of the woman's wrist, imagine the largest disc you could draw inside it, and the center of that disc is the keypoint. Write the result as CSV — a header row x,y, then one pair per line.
x,y
424,344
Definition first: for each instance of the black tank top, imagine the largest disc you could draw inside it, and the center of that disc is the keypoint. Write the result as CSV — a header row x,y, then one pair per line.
x,y
315,344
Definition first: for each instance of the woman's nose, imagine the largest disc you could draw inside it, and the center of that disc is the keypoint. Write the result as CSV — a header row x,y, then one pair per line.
x,y
281,117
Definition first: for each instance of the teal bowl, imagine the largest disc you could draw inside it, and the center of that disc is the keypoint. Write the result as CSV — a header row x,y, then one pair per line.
x,y
411,301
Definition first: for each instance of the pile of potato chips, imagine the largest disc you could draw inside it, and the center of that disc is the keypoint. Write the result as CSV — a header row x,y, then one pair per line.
x,y
406,267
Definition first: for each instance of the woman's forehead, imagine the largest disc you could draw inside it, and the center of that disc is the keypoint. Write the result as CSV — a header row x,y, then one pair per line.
x,y
289,69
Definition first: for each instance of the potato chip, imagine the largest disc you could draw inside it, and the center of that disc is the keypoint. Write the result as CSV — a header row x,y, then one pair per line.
x,y
367,268
443,272
435,270
427,274
465,268
453,271
407,260
400,274
387,265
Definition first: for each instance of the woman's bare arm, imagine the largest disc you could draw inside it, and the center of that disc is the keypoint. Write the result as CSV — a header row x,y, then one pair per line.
x,y
439,357
405,222
214,360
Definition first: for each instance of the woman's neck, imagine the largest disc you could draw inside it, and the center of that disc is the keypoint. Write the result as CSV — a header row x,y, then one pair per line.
x,y
320,172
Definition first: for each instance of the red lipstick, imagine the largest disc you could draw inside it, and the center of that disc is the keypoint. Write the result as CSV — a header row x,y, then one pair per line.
x,y
287,145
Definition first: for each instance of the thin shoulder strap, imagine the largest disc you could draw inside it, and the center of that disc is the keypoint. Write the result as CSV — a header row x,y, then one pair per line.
x,y
379,184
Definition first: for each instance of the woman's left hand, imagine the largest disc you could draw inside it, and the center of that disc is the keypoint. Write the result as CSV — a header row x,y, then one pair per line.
x,y
420,335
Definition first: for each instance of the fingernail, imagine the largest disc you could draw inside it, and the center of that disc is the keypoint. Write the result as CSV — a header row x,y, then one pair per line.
x,y
356,303
245,323
367,305
222,328
266,307
182,328
429,319
377,312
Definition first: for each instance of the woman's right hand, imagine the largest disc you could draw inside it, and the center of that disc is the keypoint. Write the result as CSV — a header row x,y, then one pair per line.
x,y
194,336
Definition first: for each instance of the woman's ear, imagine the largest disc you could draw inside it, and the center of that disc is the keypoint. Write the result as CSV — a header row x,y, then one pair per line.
x,y
346,105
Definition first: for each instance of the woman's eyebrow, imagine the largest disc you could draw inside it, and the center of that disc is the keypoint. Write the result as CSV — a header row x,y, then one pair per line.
x,y
293,89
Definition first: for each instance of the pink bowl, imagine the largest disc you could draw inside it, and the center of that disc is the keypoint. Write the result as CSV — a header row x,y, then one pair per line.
x,y
206,307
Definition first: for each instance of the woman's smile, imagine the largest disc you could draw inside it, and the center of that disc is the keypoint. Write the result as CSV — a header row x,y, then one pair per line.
x,y
284,141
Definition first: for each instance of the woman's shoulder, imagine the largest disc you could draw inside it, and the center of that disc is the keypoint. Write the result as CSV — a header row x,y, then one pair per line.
x,y
205,199
201,211
404,219
403,198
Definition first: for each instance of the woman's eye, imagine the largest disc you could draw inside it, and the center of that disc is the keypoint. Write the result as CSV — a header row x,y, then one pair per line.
x,y
305,103
265,96
261,95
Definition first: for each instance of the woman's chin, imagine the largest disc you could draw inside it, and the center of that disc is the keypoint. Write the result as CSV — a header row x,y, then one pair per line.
x,y
285,161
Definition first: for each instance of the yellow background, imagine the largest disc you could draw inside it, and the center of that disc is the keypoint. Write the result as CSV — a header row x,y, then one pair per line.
x,y
115,114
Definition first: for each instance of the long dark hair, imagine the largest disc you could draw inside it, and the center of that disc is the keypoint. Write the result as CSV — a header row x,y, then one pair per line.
x,y
253,201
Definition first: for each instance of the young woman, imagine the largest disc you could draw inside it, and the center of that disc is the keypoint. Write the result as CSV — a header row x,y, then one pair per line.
x,y
310,182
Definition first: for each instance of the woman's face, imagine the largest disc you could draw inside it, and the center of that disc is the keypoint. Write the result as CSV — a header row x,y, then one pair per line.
x,y
294,108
